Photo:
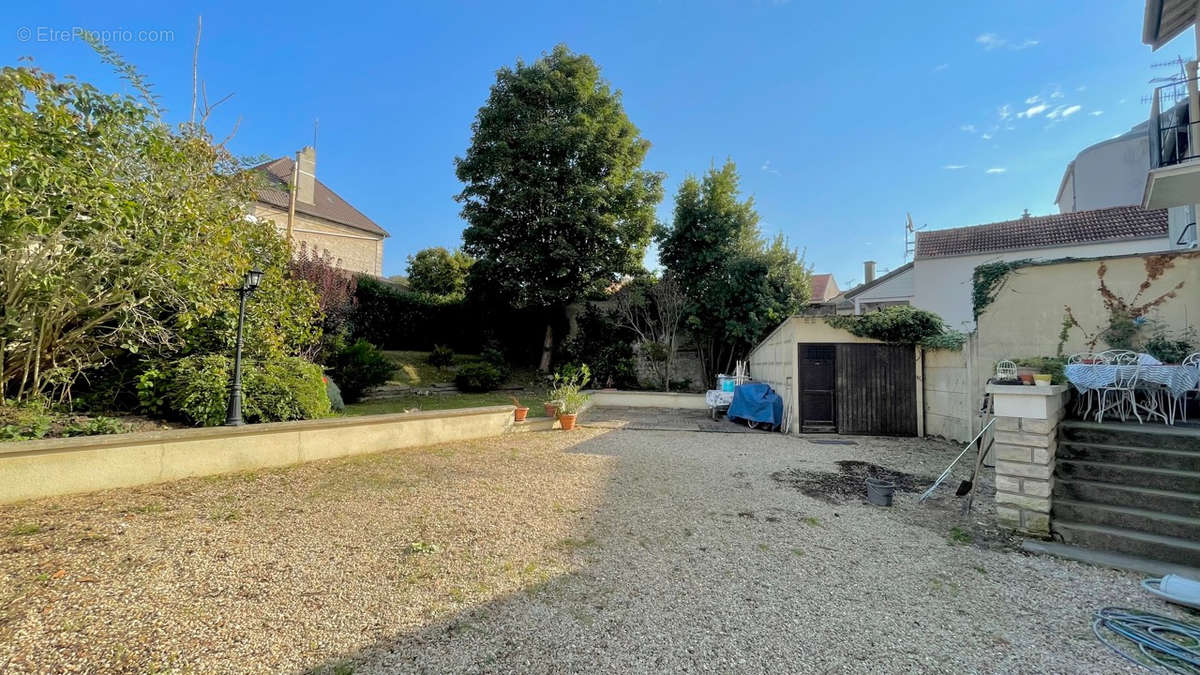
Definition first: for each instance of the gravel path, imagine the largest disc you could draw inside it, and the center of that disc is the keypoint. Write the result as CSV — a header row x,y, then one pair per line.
x,y
548,552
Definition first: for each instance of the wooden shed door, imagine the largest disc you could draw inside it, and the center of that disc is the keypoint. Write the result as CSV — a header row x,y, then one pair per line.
x,y
876,390
817,388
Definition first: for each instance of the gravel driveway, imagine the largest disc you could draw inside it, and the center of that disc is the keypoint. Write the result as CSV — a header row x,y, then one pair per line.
x,y
595,550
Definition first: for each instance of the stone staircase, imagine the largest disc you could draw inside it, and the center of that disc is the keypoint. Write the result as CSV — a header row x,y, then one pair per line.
x,y
1129,488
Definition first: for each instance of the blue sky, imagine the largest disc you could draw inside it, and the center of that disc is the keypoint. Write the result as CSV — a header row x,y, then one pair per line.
x,y
842,117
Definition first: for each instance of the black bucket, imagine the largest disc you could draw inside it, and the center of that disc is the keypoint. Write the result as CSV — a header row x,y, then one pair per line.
x,y
879,491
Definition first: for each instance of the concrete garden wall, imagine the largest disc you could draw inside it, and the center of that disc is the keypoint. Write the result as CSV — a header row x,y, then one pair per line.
x,y
49,467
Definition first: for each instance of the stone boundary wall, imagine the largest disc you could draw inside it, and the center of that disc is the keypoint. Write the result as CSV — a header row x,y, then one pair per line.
x,y
50,467
613,398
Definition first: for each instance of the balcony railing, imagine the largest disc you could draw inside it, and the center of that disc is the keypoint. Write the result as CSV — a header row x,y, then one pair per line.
x,y
1178,136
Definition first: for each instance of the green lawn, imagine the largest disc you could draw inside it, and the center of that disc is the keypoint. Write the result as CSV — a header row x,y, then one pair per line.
x,y
415,371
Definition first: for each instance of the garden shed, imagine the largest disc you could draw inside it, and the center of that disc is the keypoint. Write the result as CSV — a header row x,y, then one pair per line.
x,y
833,381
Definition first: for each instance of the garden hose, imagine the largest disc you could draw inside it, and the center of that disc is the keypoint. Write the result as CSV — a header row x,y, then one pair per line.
x,y
1170,644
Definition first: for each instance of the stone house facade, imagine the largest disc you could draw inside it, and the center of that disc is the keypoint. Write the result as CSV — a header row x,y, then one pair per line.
x,y
324,223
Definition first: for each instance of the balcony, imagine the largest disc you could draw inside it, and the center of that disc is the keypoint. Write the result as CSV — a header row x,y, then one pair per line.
x,y
1174,130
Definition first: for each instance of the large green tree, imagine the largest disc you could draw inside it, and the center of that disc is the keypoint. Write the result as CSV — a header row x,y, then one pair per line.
x,y
120,237
438,271
737,285
554,195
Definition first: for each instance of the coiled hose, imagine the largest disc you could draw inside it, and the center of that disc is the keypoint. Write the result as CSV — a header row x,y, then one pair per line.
x,y
1173,645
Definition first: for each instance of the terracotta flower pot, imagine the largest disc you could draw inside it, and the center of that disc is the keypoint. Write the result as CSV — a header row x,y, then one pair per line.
x,y
551,409
520,413
567,421
1026,378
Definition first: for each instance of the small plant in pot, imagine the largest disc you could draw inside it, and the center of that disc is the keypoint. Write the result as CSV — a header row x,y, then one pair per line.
x,y
569,410
551,408
521,411
567,394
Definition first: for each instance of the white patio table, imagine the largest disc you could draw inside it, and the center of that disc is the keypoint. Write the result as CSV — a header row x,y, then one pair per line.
x,y
1177,379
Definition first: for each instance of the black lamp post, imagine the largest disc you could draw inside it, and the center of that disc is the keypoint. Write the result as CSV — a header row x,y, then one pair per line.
x,y
250,283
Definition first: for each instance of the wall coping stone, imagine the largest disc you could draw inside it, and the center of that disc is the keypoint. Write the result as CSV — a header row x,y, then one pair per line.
x,y
45,445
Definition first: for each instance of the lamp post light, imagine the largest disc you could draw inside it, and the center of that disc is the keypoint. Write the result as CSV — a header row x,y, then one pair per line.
x,y
233,418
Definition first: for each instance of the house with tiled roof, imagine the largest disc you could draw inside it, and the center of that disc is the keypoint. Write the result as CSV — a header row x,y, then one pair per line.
x,y
824,289
945,260
323,222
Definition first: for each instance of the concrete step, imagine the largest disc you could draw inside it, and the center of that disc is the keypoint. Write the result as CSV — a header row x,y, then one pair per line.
x,y
1105,538
1162,501
1174,480
1119,454
1131,435
1128,518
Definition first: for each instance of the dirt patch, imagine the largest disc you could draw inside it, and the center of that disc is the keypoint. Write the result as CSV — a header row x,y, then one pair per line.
x,y
849,483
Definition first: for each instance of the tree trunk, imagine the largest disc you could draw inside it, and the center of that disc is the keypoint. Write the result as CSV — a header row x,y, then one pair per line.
x,y
547,348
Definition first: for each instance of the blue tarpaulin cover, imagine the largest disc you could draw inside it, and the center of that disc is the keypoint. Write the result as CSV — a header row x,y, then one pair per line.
x,y
756,402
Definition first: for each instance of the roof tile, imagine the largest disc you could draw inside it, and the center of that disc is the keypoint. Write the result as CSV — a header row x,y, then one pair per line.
x,y
1062,229
327,204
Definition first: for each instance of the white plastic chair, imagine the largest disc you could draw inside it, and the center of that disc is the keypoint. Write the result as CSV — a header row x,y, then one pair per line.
x,y
1192,361
1123,387
1088,396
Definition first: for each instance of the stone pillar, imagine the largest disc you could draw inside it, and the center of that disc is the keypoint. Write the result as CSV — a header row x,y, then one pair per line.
x,y
1026,432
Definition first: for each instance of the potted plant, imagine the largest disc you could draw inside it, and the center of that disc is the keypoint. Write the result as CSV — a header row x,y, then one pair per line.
x,y
567,395
520,412
572,403
551,407
1041,379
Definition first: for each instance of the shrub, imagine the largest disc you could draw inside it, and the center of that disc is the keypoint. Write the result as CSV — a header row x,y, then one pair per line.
x,y
274,390
496,358
282,389
335,395
605,345
441,357
1170,349
360,367
901,324
477,377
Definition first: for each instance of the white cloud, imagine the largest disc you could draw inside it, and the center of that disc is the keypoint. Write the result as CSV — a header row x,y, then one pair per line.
x,y
986,137
1033,111
954,167
1096,113
770,169
1004,112
991,41
1033,99
996,169
1057,93
941,67
1071,110
969,128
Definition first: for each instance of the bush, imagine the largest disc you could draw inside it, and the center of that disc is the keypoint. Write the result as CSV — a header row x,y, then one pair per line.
x,y
335,395
495,357
900,324
605,345
360,367
478,377
274,390
441,357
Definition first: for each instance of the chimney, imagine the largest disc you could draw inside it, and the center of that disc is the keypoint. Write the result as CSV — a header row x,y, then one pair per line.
x,y
868,271
306,159
1025,214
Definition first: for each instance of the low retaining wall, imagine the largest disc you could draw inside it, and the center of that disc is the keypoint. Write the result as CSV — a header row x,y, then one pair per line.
x,y
648,399
49,467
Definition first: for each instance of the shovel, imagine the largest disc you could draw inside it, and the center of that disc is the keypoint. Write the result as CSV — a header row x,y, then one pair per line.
x,y
969,484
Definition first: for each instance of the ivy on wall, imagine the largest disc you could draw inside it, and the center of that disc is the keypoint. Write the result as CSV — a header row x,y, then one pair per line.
x,y
988,279
901,324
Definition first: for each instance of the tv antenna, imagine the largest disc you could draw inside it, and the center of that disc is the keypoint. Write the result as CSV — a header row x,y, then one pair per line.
x,y
910,237
1173,86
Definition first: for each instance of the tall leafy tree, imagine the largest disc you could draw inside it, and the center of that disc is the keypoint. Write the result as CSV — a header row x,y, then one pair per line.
x,y
737,285
438,271
554,195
